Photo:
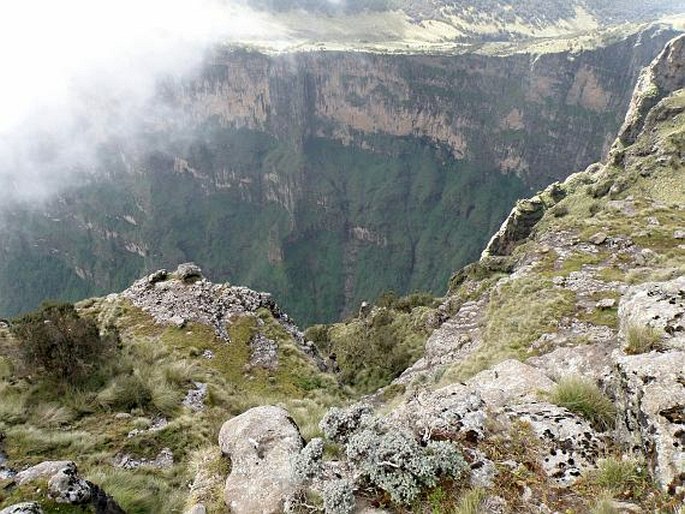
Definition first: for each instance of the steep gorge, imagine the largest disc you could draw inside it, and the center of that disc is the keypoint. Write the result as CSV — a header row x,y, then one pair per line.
x,y
324,177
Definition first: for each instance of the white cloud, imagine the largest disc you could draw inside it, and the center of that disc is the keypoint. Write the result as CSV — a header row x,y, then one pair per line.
x,y
59,58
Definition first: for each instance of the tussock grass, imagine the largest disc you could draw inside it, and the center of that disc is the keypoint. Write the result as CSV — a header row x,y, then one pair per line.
x,y
642,339
471,502
604,505
142,491
622,476
584,398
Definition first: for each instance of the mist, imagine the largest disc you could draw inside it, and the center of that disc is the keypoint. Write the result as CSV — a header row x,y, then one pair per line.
x,y
66,63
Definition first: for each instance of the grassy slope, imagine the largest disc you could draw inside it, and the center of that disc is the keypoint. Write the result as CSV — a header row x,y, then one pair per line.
x,y
149,377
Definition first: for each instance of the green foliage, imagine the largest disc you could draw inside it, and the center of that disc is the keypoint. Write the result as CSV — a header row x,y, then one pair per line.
x,y
584,398
373,350
642,339
624,477
391,459
61,343
338,497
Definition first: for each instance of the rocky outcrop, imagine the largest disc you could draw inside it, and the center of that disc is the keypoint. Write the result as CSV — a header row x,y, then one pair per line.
x,y
572,447
662,77
186,296
521,221
65,485
261,444
650,386
651,396
658,306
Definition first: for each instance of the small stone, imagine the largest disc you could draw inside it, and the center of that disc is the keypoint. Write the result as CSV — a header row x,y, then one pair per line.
x,y
679,234
558,281
177,321
122,415
653,221
208,354
598,238
198,508
606,303
195,399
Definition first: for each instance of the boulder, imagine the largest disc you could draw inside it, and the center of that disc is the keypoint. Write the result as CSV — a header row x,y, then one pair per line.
x,y
23,508
158,276
592,361
509,382
572,445
660,305
598,238
650,392
261,444
65,486
188,272
43,470
453,412
198,508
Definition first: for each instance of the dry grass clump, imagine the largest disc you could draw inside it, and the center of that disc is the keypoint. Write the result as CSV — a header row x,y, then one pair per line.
x,y
642,339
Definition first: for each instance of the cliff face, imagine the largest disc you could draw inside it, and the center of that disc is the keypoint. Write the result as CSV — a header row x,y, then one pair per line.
x,y
325,177
525,114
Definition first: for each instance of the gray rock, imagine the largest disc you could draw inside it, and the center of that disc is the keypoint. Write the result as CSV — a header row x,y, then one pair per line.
x,y
663,76
177,321
195,398
679,234
158,276
261,444
483,470
509,382
598,238
660,305
453,412
650,392
516,228
606,303
165,459
65,486
188,272
197,509
263,352
573,445
23,508
592,361
43,470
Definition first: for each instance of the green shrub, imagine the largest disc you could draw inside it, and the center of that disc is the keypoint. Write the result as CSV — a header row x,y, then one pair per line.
x,y
642,339
61,343
584,398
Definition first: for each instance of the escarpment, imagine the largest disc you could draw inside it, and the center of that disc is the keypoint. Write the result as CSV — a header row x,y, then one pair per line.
x,y
326,178
549,378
